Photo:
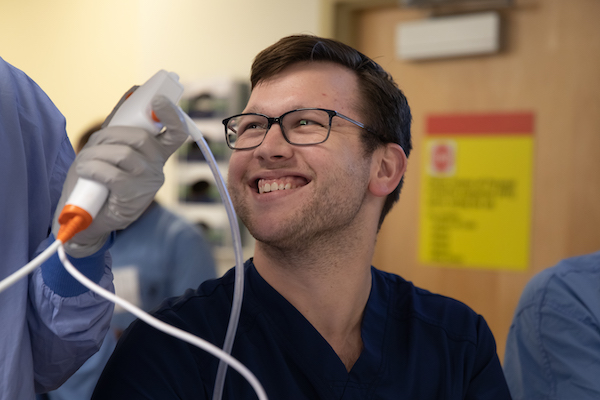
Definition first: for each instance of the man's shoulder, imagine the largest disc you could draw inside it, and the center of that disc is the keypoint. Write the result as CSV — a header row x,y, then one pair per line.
x,y
407,291
586,265
417,305
571,282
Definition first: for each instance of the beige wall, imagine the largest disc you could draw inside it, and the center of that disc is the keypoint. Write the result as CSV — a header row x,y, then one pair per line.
x,y
85,53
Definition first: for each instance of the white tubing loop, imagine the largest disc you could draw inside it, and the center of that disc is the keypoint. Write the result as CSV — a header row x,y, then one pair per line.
x,y
164,327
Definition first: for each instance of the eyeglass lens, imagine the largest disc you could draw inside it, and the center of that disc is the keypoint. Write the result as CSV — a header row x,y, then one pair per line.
x,y
299,126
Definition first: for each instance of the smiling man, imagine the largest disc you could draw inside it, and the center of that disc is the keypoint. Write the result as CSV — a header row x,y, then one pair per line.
x,y
318,159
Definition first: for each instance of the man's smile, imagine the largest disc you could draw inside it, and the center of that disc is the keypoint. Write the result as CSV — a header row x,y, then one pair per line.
x,y
283,183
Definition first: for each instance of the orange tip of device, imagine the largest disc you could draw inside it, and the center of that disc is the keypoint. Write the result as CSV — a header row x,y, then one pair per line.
x,y
72,220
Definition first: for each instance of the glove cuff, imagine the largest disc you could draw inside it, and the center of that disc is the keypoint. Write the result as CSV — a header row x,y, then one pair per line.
x,y
58,279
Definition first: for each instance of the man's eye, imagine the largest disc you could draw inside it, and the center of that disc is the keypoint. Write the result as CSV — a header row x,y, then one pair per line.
x,y
308,123
249,127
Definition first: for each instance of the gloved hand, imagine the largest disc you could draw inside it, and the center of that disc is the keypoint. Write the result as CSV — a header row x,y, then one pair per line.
x,y
129,162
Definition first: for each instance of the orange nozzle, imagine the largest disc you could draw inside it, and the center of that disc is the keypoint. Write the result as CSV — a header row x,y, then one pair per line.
x,y
72,220
154,117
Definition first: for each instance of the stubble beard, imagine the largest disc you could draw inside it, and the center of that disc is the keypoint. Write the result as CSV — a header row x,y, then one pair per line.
x,y
317,224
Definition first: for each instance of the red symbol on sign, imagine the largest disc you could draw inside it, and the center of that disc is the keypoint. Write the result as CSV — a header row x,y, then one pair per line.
x,y
442,158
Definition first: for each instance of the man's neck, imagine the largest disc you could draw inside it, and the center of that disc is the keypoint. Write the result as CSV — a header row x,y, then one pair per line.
x,y
330,289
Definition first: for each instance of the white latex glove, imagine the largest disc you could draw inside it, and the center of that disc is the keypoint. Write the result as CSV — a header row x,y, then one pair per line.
x,y
129,162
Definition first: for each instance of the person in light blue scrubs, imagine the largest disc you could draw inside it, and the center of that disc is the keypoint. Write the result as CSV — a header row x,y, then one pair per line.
x,y
553,345
50,322
45,335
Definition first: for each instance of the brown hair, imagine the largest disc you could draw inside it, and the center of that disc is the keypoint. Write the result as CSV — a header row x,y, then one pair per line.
x,y
383,105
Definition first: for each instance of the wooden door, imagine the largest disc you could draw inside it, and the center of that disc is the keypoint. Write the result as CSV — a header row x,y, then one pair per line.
x,y
549,65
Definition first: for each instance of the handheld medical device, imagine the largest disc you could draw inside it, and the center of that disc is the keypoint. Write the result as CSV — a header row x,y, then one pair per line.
x,y
89,196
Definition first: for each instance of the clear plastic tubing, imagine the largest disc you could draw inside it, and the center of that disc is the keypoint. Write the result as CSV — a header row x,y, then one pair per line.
x,y
239,262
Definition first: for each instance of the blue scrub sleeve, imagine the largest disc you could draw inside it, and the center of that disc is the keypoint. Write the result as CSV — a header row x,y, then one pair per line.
x,y
553,346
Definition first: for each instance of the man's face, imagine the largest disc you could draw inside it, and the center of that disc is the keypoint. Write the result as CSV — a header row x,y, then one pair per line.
x,y
289,195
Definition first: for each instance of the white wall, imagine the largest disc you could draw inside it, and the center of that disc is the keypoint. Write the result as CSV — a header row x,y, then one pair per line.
x,y
86,53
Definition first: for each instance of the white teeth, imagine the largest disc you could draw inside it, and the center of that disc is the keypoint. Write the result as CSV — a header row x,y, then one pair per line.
x,y
266,187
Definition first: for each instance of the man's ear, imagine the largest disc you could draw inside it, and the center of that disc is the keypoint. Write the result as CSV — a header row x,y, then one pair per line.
x,y
388,167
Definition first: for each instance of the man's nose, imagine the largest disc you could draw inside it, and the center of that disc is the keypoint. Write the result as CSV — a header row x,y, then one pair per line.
x,y
274,144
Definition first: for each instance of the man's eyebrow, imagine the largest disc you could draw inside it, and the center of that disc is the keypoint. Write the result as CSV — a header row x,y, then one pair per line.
x,y
256,110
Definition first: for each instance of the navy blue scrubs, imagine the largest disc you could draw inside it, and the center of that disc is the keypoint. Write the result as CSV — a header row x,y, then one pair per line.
x,y
417,345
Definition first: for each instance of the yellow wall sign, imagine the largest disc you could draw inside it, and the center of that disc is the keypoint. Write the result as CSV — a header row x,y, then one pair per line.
x,y
476,191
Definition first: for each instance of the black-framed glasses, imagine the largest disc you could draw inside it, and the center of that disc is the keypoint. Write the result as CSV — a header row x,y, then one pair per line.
x,y
301,127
